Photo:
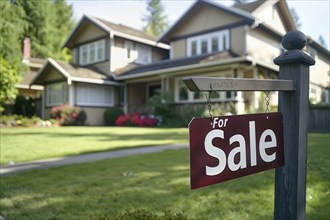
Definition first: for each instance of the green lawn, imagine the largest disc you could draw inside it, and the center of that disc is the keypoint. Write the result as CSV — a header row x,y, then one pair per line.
x,y
157,183
26,144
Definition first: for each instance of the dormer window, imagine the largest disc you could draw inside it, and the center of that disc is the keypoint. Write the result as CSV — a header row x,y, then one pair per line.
x,y
138,53
92,52
208,43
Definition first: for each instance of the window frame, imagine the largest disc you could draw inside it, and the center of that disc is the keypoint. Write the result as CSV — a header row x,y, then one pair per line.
x,y
63,91
223,42
95,49
102,91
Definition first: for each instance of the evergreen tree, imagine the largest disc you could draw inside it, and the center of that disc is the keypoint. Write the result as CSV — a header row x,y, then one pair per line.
x,y
49,22
46,22
322,41
296,18
156,21
12,26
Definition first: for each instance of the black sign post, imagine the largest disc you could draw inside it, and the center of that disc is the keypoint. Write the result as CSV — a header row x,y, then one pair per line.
x,y
293,85
290,180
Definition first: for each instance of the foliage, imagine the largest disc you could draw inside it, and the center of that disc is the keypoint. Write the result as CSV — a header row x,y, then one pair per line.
x,y
12,26
9,77
67,115
156,21
49,23
162,105
158,183
322,41
23,106
296,18
136,120
22,121
111,114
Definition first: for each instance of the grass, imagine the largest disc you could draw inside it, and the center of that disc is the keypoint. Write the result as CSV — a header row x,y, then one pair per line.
x,y
27,144
156,182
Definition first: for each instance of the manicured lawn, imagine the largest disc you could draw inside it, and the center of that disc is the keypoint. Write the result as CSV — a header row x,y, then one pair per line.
x,y
26,144
158,183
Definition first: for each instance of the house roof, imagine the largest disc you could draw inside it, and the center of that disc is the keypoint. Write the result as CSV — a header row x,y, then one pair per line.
x,y
250,6
189,63
34,64
74,73
118,30
244,11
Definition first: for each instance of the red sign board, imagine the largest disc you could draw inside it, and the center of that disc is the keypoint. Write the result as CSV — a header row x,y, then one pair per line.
x,y
228,147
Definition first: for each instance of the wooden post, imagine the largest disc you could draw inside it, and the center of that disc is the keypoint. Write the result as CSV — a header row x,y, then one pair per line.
x,y
290,180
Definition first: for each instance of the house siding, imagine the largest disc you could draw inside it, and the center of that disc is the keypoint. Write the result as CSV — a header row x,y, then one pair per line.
x,y
206,18
238,40
88,32
257,40
178,48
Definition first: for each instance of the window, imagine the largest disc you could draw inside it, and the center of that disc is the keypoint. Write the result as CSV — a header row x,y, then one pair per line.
x,y
183,95
208,43
92,52
144,53
204,47
215,44
56,94
94,95
137,52
193,48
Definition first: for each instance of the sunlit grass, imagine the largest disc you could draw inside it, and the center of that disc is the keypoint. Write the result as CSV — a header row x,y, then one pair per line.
x,y
26,144
156,182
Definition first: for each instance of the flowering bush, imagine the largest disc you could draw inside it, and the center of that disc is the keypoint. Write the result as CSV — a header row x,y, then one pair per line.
x,y
67,115
136,120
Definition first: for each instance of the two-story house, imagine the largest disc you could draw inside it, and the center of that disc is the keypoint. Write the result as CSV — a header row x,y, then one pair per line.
x,y
117,65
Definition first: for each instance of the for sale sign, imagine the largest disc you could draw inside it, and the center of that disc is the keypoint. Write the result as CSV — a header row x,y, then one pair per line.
x,y
228,147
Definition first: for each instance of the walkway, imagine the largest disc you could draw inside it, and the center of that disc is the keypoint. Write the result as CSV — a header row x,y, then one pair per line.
x,y
85,158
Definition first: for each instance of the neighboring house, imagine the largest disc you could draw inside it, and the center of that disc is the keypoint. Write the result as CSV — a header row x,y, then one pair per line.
x,y
114,65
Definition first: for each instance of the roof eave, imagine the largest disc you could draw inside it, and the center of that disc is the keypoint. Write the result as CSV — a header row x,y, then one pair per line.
x,y
203,65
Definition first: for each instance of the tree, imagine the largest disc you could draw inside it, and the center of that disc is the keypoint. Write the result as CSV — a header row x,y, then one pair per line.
x,y
322,41
49,22
296,18
12,26
46,22
156,21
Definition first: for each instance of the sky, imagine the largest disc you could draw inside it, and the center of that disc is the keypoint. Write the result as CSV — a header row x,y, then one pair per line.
x,y
313,14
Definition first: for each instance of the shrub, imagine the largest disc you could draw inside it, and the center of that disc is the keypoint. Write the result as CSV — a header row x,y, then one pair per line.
x,y
136,120
67,115
21,121
162,105
111,114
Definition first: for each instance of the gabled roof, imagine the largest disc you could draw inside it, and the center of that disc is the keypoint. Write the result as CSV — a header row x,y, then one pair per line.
x,y
75,73
165,37
250,6
113,29
244,11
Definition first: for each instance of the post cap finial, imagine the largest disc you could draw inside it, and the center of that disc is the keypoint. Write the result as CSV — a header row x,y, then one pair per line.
x,y
294,40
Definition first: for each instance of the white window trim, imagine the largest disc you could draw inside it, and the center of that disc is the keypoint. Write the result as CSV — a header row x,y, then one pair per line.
x,y
64,94
88,46
89,104
209,36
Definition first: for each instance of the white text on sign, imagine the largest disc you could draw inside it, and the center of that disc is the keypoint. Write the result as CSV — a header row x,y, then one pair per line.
x,y
266,140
